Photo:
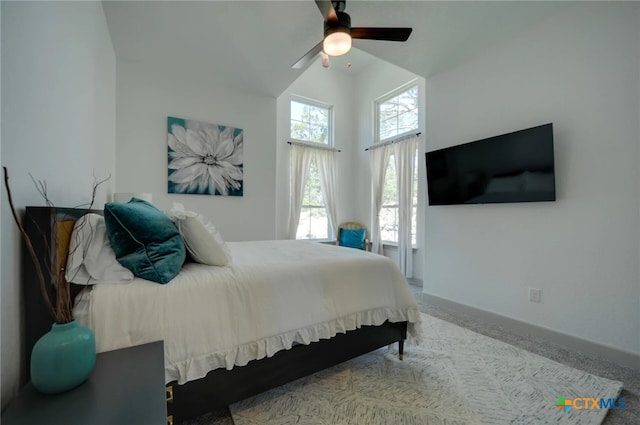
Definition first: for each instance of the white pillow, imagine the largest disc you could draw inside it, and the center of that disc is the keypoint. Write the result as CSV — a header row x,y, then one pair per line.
x,y
91,259
202,240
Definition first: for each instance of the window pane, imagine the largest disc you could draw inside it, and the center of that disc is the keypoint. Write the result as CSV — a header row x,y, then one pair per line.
x,y
304,227
414,223
390,191
389,210
389,224
299,130
312,191
314,195
414,212
297,110
387,116
314,221
387,110
319,224
389,106
415,181
408,100
407,121
388,128
318,115
318,134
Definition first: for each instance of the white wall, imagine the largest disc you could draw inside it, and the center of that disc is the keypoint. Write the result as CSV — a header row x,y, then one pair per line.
x,y
377,80
145,97
638,87
335,88
58,123
580,70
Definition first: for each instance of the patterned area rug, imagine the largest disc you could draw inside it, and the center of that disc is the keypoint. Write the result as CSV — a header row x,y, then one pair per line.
x,y
454,377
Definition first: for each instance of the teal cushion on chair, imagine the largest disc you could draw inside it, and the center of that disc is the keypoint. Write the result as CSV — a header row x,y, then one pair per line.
x,y
353,238
144,240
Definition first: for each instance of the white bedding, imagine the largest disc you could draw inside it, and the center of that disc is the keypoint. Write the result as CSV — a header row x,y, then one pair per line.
x,y
274,294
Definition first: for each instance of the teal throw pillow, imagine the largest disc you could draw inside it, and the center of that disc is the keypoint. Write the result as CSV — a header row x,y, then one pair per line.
x,y
353,238
144,240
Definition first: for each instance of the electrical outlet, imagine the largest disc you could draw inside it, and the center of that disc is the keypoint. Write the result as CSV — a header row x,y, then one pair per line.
x,y
535,295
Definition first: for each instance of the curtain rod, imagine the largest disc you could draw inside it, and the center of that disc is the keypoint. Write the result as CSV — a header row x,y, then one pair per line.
x,y
309,145
388,142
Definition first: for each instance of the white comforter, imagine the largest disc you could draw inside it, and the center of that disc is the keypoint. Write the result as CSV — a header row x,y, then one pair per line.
x,y
275,293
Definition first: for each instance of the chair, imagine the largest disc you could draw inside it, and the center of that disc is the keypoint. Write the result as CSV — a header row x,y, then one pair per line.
x,y
353,235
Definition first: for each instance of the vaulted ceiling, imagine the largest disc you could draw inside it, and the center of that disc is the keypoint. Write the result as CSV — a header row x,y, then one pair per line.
x,y
252,44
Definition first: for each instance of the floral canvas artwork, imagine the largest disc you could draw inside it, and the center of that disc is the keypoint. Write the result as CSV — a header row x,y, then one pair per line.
x,y
204,159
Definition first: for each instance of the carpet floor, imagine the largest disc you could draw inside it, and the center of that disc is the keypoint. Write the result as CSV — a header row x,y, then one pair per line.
x,y
586,363
454,376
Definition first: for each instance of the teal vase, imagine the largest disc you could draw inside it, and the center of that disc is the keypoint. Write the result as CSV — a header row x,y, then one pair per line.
x,y
63,358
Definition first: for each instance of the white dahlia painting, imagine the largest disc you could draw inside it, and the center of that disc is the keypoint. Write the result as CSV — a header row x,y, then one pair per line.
x,y
204,159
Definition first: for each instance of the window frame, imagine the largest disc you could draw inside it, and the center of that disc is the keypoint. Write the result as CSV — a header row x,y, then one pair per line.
x,y
317,104
377,141
386,97
330,143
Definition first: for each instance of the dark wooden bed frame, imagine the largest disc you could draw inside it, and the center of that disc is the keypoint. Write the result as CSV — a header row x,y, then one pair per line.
x,y
220,387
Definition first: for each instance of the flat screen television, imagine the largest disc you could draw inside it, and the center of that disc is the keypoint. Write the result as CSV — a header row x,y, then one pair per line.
x,y
512,167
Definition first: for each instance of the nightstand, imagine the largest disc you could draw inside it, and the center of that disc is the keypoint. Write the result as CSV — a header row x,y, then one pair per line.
x,y
126,387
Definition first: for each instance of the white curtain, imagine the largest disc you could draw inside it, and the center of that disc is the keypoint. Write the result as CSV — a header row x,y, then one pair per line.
x,y
326,162
405,157
378,161
299,162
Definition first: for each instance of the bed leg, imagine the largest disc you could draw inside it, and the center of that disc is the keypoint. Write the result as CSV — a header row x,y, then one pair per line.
x,y
401,350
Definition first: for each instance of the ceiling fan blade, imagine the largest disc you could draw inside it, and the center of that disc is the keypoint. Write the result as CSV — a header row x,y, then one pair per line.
x,y
389,34
306,60
327,10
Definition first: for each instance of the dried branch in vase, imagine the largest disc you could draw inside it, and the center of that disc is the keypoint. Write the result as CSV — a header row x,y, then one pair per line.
x,y
60,308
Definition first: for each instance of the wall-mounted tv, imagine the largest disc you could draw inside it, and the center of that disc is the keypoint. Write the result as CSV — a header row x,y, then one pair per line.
x,y
512,167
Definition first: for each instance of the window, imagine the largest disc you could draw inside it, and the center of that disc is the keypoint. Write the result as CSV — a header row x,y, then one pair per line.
x,y
311,123
389,212
314,222
396,116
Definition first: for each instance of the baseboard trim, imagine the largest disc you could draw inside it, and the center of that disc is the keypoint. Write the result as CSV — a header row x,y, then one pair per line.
x,y
620,357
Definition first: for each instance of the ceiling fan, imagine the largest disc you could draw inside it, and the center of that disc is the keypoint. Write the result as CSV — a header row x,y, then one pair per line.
x,y
338,34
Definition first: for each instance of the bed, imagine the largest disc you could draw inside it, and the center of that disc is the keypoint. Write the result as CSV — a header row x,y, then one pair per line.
x,y
281,311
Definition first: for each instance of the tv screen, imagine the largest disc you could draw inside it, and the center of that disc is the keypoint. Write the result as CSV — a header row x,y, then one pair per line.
x,y
512,167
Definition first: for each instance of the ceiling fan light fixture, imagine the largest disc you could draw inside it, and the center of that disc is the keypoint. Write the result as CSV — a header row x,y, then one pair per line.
x,y
337,42
338,34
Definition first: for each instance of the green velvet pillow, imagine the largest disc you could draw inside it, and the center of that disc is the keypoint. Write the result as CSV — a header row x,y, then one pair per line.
x,y
353,238
144,240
